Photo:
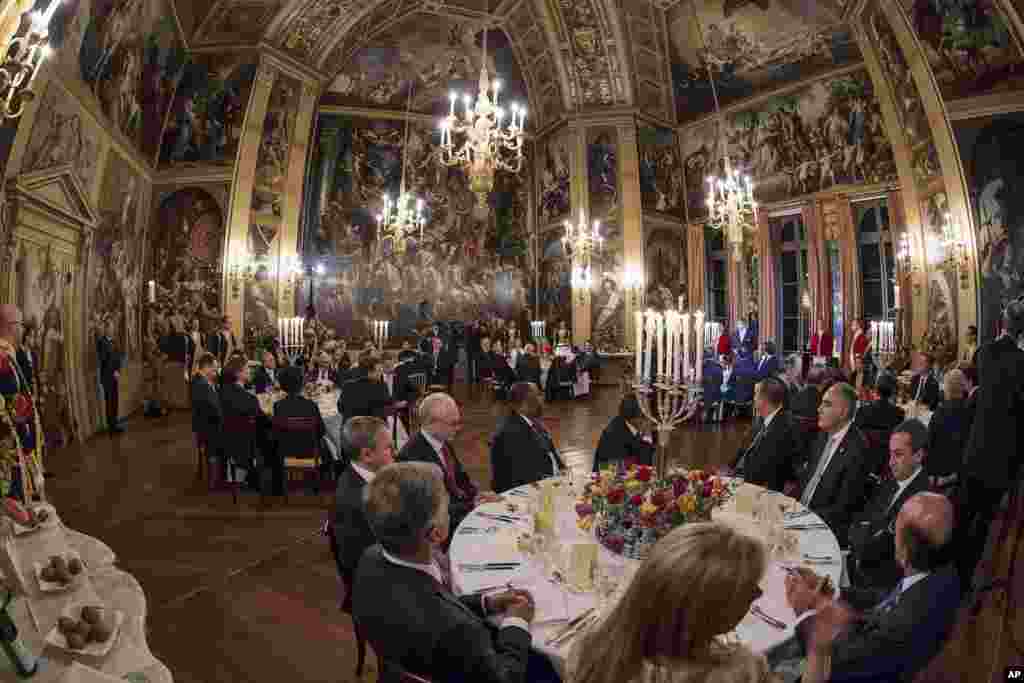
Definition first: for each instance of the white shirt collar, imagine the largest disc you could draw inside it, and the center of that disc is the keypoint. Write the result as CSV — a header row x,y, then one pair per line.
x,y
434,443
909,581
838,437
366,474
768,420
902,485
429,569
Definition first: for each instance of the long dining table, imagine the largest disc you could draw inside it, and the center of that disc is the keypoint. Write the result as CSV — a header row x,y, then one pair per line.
x,y
488,553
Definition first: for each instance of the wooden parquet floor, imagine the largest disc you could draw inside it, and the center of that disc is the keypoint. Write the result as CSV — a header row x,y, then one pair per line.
x,y
248,594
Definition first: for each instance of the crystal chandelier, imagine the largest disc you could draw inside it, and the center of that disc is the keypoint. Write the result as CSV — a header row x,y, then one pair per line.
x,y
580,241
731,205
402,218
23,57
487,144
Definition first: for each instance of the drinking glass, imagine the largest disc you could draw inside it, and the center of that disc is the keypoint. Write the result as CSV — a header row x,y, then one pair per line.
x,y
610,574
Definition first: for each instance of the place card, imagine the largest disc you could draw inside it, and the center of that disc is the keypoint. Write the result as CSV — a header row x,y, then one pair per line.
x,y
582,564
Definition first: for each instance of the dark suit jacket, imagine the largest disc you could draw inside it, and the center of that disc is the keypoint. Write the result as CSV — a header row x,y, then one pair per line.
x,y
176,346
237,402
993,450
947,437
402,388
766,367
27,363
206,413
840,493
217,345
771,458
292,444
881,415
418,449
262,381
619,444
109,359
416,623
351,530
519,455
893,646
364,397
804,402
528,368
871,541
930,394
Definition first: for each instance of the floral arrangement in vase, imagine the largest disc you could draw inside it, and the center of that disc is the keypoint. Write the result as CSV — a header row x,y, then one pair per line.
x,y
630,509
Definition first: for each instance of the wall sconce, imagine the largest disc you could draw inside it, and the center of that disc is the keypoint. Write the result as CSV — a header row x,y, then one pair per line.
x,y
23,57
582,280
956,256
633,283
908,267
292,274
242,270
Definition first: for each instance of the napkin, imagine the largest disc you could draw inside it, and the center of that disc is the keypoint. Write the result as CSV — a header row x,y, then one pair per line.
x,y
553,603
504,546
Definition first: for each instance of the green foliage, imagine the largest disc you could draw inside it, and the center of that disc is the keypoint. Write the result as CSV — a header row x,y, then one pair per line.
x,y
508,243
845,88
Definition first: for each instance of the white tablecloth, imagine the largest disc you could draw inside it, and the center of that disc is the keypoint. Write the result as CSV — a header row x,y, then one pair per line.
x,y
104,583
499,545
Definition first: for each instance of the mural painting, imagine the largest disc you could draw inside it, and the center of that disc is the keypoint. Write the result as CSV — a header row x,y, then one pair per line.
x,y
607,298
128,53
826,134
665,268
990,149
185,257
942,281
114,283
467,262
603,172
40,287
969,46
555,168
60,135
751,47
261,293
909,108
205,123
555,281
698,150
661,174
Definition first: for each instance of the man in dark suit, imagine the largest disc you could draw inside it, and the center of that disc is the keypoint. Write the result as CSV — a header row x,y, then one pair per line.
x,y
404,599
440,420
206,413
769,364
289,443
222,342
406,353
834,482
873,558
265,376
473,350
110,374
771,456
924,385
993,454
896,636
367,394
528,365
522,451
622,440
236,402
368,443
882,414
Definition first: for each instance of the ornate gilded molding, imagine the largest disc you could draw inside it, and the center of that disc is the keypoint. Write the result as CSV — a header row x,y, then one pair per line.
x,y
588,45
265,76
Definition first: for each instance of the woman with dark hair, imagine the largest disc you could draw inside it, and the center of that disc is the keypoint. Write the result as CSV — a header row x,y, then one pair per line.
x,y
623,439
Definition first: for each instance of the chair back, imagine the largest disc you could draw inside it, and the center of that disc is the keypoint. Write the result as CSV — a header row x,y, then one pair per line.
x,y
240,425
878,451
419,380
301,433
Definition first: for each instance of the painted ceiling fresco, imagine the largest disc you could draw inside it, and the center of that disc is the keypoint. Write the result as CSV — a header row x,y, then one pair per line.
x,y
752,46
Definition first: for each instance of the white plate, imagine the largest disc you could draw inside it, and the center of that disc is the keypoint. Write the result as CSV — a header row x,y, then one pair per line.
x,y
54,586
80,673
57,639
48,524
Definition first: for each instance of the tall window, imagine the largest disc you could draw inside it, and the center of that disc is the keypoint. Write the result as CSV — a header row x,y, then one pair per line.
x,y
718,276
791,267
875,251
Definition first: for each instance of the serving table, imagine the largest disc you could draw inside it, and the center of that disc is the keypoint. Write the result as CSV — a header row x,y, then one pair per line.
x,y
35,613
484,537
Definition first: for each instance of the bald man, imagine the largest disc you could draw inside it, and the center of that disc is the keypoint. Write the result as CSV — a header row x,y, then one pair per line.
x,y
897,635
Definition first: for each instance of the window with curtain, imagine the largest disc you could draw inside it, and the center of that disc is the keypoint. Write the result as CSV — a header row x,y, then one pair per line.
x,y
875,254
794,297
718,277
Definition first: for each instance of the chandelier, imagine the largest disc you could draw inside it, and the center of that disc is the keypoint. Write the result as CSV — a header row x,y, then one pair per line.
x,y
731,205
402,218
24,56
487,143
581,240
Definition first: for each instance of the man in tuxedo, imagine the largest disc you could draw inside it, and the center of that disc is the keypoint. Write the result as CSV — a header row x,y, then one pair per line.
x,y
622,440
206,413
441,420
265,376
894,637
993,454
834,482
522,451
873,558
235,401
295,444
925,384
222,342
367,394
368,443
110,374
405,600
769,364
882,414
770,458
528,365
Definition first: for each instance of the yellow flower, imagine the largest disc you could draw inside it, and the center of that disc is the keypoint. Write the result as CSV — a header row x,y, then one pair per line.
x,y
694,475
687,503
584,523
648,509
633,486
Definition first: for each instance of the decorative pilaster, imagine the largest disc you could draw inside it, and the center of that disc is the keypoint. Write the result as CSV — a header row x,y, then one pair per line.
x,y
580,199
237,233
697,259
633,259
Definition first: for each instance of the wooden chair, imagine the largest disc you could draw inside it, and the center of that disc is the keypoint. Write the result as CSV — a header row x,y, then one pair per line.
x,y
419,381
239,437
346,601
202,452
308,460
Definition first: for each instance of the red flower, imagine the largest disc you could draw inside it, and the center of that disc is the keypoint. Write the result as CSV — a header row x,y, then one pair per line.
x,y
680,486
584,509
615,543
637,500
616,496
707,489
644,472
660,498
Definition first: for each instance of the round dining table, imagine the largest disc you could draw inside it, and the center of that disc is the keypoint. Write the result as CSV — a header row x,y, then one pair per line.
x,y
486,555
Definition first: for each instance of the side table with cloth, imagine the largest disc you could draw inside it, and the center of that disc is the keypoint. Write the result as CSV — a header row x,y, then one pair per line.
x,y
481,538
36,613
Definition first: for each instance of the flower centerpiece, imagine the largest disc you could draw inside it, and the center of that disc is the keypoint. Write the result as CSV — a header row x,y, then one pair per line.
x,y
630,509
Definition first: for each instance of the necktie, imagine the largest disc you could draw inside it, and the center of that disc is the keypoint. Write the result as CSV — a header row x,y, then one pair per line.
x,y
549,445
826,456
449,472
890,600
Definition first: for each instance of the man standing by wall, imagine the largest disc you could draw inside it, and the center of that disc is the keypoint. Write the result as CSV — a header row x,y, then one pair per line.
x,y
110,374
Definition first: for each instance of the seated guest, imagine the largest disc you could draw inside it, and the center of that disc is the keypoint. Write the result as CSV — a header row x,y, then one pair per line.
x,y
321,371
698,583
294,444
873,559
771,455
792,377
406,352
622,440
804,403
769,364
440,420
236,402
924,386
589,361
522,451
528,365
206,412
404,599
728,377
367,394
264,378
493,366
882,414
894,638
402,387
948,431
834,482
368,444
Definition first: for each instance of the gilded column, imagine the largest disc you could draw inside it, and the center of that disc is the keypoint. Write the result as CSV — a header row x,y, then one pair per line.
x,y
291,211
237,233
581,320
697,260
633,258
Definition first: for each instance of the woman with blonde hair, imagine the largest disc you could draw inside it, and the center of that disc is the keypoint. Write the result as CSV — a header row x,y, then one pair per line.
x,y
948,431
696,585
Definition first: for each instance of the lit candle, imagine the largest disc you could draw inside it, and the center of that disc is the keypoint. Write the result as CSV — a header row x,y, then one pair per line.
x,y
152,292
649,344
639,345
698,325
686,345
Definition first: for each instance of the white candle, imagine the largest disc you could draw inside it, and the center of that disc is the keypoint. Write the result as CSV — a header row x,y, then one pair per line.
x,y
152,292
639,316
686,345
649,344
698,326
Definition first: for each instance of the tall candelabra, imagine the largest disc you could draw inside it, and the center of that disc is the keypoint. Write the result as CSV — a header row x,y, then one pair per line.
x,y
292,335
380,333
537,329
